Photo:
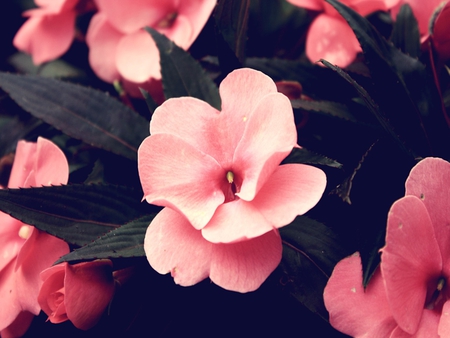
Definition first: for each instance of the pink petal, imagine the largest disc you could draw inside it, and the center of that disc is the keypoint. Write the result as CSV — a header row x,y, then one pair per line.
x,y
332,39
53,282
102,39
422,10
365,7
23,164
57,5
173,245
179,32
89,288
244,266
136,14
409,264
444,322
51,166
19,326
316,5
236,221
31,261
137,57
46,37
11,307
187,180
425,181
428,327
10,241
292,190
269,136
241,92
353,310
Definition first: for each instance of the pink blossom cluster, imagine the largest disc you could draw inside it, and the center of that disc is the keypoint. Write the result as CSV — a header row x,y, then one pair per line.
x,y
331,38
28,282
218,175
409,294
119,48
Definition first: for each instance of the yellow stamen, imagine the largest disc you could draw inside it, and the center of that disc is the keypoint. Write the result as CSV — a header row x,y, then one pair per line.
x,y
230,177
441,284
24,231
168,20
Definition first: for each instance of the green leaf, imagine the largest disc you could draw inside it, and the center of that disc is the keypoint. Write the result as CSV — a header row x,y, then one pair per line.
x,y
151,104
181,74
124,242
302,155
232,18
405,34
80,112
335,109
310,252
403,88
77,214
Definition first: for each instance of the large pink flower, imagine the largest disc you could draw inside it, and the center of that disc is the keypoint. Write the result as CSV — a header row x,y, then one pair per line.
x,y
119,49
218,174
24,250
49,31
329,36
410,297
79,293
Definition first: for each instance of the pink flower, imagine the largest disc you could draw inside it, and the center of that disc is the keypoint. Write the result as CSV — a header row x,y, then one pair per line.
x,y
440,37
24,250
49,31
410,297
218,174
329,36
79,293
119,49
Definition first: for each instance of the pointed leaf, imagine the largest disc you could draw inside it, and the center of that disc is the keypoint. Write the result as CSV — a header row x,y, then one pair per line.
x,y
80,112
77,214
232,18
302,155
181,74
335,109
310,252
151,104
405,34
123,242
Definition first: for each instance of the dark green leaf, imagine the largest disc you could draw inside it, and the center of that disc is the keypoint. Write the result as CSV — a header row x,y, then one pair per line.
x,y
77,214
80,112
124,242
151,104
406,35
302,155
232,18
310,252
181,74
335,109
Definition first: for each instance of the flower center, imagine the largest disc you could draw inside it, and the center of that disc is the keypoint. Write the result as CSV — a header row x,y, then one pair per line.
x,y
230,188
437,297
168,20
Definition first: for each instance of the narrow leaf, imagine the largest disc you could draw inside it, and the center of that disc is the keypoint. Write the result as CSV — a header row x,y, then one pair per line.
x,y
151,104
302,155
181,74
80,112
310,252
232,18
335,109
123,242
405,34
77,214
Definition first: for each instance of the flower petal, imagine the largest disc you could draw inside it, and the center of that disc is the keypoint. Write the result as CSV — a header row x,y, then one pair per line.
x,y
46,37
10,241
23,164
187,180
51,166
89,288
408,269
19,326
428,327
8,295
316,5
173,245
332,39
444,323
53,280
137,57
353,310
425,181
244,266
102,39
268,138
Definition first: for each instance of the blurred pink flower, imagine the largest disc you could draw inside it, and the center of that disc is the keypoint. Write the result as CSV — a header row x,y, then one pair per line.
x,y
50,29
24,250
440,37
329,36
120,50
218,174
79,293
410,297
